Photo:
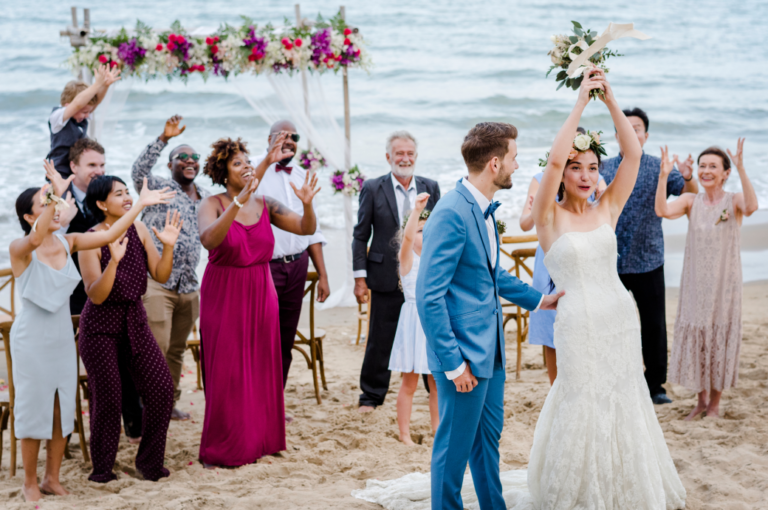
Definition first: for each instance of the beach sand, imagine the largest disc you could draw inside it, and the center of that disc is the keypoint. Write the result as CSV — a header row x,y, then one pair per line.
x,y
333,450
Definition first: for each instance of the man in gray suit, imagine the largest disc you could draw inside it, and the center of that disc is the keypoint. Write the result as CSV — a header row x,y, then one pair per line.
x,y
384,202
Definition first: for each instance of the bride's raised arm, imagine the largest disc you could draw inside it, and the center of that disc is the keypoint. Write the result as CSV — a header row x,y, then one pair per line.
x,y
617,194
543,211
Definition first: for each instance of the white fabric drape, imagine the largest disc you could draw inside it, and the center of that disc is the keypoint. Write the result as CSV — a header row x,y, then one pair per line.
x,y
326,137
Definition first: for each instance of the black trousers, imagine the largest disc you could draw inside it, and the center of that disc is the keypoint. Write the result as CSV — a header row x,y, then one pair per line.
x,y
648,291
374,376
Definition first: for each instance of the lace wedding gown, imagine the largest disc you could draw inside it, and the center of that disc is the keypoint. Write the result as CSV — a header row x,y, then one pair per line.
x,y
598,443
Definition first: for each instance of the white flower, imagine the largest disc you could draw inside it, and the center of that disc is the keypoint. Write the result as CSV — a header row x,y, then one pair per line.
x,y
557,56
582,142
346,179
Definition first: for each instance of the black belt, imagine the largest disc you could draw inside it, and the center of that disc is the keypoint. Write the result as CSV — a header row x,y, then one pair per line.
x,y
288,258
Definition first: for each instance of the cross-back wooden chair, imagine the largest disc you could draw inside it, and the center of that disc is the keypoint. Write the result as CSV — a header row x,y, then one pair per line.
x,y
7,418
193,345
82,385
6,398
313,338
6,280
521,265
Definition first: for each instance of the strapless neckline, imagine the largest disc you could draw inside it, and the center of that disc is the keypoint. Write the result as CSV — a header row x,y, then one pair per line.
x,y
575,232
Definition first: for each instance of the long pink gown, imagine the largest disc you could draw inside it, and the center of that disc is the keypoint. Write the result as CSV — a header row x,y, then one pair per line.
x,y
240,340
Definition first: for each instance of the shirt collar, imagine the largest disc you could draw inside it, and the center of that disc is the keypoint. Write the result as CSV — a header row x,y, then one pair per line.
x,y
78,194
481,199
396,183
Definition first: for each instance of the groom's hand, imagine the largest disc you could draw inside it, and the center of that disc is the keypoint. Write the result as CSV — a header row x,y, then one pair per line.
x,y
550,302
466,382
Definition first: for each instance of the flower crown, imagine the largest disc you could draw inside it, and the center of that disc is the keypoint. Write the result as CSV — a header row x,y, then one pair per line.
x,y
582,143
422,217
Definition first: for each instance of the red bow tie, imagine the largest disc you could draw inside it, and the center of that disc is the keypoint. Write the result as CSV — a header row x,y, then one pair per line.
x,y
281,168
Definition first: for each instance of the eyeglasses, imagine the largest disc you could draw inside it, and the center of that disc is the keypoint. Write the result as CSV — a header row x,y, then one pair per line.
x,y
184,156
293,136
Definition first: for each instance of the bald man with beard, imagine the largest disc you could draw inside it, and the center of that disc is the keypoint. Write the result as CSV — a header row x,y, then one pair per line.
x,y
290,259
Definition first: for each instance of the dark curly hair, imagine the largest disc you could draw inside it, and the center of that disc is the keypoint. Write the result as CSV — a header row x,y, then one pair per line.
x,y
224,149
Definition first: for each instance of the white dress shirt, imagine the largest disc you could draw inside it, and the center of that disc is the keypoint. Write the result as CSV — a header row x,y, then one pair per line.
x,y
483,202
276,185
411,191
79,197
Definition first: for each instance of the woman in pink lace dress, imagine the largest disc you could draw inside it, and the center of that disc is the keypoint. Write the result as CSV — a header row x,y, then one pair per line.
x,y
705,351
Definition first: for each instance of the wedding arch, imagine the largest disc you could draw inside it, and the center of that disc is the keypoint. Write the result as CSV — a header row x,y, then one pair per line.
x,y
306,48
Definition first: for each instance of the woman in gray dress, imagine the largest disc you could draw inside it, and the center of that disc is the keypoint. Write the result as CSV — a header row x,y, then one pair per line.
x,y
42,340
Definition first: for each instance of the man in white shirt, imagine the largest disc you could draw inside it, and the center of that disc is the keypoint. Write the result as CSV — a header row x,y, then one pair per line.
x,y
290,259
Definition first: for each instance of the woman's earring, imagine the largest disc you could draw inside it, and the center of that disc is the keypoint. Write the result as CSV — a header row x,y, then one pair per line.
x,y
225,180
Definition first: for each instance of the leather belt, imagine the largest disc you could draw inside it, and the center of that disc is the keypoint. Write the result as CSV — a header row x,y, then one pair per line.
x,y
288,258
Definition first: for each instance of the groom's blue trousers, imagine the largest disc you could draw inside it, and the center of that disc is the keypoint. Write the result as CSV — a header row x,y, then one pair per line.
x,y
469,431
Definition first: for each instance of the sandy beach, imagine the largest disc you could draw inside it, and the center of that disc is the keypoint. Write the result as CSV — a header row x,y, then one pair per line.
x,y
333,450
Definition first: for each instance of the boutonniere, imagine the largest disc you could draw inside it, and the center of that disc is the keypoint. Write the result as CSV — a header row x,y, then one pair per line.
x,y
723,217
501,227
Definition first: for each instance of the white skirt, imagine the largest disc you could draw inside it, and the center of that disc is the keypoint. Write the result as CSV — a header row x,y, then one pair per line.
x,y
409,352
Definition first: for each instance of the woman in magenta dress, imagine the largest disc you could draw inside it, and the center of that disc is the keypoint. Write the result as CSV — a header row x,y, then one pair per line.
x,y
239,329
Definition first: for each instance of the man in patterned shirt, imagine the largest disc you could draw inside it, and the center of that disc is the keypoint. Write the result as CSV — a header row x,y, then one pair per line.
x,y
641,250
173,308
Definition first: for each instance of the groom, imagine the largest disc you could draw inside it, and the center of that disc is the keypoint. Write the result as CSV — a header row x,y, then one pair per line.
x,y
458,289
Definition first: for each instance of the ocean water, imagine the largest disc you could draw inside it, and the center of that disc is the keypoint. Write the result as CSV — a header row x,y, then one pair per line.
x,y
439,68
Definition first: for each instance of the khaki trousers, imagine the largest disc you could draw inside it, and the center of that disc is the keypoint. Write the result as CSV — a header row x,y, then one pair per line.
x,y
171,317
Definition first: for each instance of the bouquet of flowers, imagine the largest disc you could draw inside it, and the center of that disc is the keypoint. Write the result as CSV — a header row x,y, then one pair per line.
x,y
311,160
501,227
582,143
422,217
568,48
349,182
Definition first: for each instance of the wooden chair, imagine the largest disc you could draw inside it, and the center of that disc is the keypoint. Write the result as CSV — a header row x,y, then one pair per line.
x,y
82,393
7,418
363,316
194,346
313,339
6,279
510,310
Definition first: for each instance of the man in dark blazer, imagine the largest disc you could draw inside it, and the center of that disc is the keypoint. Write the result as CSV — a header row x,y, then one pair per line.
x,y
384,203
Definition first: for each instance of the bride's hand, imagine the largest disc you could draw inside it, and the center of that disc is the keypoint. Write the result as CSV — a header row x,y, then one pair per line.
x,y
550,302
594,79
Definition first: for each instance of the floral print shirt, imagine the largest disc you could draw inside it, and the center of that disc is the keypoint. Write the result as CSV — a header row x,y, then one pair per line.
x,y
186,253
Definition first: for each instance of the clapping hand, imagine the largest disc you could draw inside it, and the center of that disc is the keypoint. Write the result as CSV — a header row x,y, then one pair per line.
x,y
276,152
684,167
421,202
149,197
738,158
170,233
307,191
251,183
666,164
172,128
117,249
59,184
550,302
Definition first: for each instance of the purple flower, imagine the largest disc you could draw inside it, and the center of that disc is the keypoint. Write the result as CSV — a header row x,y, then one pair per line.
x,y
129,52
321,45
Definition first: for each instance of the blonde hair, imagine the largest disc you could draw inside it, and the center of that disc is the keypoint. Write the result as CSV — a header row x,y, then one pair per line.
x,y
72,89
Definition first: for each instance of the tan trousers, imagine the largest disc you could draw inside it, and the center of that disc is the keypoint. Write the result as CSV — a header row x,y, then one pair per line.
x,y
171,317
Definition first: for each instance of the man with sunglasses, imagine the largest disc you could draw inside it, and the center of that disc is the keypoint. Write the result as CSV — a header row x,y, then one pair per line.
x,y
290,258
173,308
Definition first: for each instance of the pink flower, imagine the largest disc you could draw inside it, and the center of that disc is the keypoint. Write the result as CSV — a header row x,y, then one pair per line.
x,y
208,41
113,64
572,155
103,59
159,47
289,46
172,38
171,46
180,39
347,42
285,41
347,31
214,49
298,43
251,57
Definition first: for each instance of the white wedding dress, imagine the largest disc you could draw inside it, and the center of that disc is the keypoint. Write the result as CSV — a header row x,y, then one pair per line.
x,y
598,444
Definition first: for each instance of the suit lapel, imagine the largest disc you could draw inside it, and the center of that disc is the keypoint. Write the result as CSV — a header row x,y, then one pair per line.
x,y
478,214
389,193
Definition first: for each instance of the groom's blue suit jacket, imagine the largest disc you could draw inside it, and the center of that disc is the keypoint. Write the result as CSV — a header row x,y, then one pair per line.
x,y
457,290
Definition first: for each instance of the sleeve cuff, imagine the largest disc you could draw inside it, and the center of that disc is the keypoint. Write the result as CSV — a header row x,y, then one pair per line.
x,y
539,305
453,374
360,273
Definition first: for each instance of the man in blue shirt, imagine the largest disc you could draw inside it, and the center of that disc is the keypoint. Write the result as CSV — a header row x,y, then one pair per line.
x,y
641,250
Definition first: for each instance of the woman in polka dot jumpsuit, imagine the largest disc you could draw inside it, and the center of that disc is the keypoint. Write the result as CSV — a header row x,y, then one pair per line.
x,y
114,327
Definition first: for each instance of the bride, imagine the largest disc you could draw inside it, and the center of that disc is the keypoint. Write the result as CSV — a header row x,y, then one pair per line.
x,y
598,443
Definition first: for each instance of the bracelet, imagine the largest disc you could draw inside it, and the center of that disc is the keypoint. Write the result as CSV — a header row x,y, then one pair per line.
x,y
238,204
688,180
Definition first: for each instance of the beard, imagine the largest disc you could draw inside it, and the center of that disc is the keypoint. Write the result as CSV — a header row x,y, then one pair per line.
x,y
403,171
285,161
504,179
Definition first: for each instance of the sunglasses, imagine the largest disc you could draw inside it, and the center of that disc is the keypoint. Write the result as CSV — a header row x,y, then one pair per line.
x,y
184,156
293,136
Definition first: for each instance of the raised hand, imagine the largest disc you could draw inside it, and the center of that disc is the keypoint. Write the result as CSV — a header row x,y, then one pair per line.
x,y
117,249
149,197
251,183
172,228
594,79
111,76
172,128
60,185
307,191
738,158
666,164
421,202
276,152
68,214
684,167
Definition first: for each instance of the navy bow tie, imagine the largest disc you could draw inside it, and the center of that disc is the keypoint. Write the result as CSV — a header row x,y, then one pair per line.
x,y
281,168
491,209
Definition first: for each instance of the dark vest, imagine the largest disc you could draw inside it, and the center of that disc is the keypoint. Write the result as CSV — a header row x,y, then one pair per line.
x,y
62,141
82,222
